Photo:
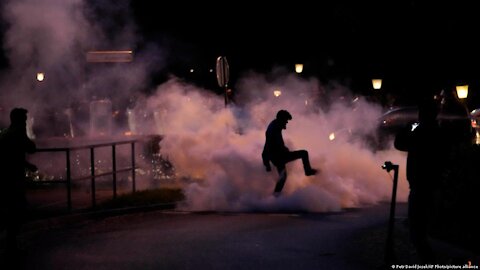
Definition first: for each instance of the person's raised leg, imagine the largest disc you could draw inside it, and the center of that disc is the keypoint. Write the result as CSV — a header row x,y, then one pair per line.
x,y
303,154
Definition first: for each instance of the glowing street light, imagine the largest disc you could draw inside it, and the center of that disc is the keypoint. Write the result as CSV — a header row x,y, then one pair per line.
x,y
462,91
40,76
298,68
377,84
277,93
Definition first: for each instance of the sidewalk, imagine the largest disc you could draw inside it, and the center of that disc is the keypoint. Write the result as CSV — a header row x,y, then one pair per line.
x,y
373,242
367,247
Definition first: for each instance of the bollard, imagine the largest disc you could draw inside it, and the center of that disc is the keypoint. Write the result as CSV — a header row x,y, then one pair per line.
x,y
389,252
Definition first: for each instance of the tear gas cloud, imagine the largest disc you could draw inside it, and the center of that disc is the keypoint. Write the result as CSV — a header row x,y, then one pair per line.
x,y
218,148
53,37
221,147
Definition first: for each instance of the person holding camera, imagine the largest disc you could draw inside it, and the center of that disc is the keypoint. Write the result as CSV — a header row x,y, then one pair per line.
x,y
425,146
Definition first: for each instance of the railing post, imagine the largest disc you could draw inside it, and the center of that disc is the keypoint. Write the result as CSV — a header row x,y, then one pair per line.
x,y
92,173
133,166
69,182
114,171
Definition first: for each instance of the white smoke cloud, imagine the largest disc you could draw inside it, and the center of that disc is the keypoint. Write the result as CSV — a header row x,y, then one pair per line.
x,y
53,37
220,148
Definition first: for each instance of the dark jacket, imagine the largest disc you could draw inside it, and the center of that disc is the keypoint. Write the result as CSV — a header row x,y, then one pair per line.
x,y
14,144
426,153
274,149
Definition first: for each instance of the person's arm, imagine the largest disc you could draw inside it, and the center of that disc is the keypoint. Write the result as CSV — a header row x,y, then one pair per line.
x,y
402,139
29,145
21,139
278,143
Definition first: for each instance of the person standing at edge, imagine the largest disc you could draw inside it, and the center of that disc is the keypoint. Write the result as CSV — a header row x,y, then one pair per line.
x,y
425,160
14,144
276,152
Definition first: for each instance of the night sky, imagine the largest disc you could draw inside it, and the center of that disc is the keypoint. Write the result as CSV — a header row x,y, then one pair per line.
x,y
412,45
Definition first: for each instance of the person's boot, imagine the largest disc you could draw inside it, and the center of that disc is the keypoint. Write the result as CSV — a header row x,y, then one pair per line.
x,y
311,172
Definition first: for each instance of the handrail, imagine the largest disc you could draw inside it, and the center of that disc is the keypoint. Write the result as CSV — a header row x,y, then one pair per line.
x,y
95,145
93,175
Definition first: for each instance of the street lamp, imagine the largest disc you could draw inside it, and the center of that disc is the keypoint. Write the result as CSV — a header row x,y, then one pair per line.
x,y
462,91
277,93
40,76
377,84
298,68
378,95
462,94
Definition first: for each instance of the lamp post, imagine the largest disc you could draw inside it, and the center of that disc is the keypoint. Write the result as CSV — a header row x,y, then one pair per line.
x,y
462,94
277,92
299,68
377,84
40,76
462,91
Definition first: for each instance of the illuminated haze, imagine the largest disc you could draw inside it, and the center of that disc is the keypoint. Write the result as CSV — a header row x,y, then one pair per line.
x,y
217,148
53,36
221,148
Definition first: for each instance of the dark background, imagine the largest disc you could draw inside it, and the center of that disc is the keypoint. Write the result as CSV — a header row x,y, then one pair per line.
x,y
415,47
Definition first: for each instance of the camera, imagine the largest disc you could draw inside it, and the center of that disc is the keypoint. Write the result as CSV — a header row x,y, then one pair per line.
x,y
388,166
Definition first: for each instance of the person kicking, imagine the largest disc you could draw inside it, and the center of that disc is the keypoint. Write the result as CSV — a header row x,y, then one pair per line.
x,y
276,152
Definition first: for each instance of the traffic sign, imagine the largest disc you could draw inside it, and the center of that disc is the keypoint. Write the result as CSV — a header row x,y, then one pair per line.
x,y
223,72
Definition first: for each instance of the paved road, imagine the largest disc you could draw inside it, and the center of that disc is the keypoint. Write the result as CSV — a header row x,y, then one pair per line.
x,y
180,240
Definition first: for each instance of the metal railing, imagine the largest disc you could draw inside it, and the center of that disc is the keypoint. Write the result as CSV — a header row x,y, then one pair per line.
x,y
68,150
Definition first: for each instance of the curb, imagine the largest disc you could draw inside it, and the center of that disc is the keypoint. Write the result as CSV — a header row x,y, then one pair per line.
x,y
79,218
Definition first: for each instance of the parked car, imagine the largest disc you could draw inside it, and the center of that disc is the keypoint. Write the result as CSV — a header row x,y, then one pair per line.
x,y
459,124
475,118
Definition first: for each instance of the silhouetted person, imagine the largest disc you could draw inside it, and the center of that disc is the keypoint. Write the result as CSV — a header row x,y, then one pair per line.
x,y
276,152
14,144
426,153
